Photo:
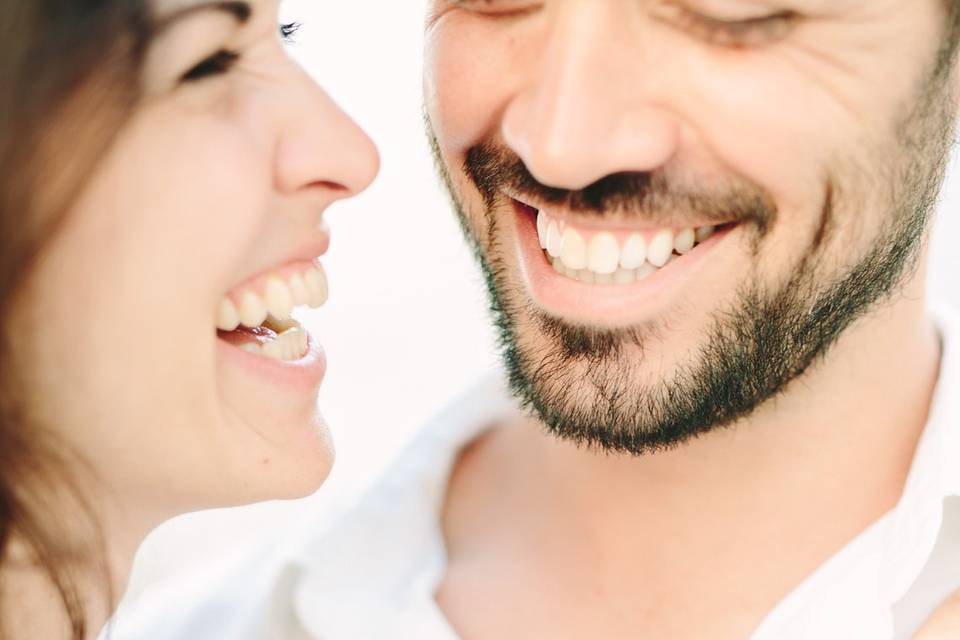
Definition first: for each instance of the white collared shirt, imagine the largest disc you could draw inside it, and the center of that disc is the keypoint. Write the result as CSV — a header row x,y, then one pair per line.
x,y
371,574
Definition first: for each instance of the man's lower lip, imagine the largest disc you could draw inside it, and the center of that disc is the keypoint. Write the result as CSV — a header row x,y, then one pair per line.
x,y
604,304
305,374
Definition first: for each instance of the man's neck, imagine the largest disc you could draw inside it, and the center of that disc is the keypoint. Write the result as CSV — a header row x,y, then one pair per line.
x,y
754,508
846,433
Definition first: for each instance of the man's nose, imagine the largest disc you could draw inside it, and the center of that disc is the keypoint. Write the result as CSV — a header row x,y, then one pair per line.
x,y
588,109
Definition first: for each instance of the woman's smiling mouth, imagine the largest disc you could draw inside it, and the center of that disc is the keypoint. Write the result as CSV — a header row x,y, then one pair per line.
x,y
257,316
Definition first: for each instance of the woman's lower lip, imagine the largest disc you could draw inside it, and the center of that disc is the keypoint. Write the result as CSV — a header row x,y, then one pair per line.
x,y
604,304
303,375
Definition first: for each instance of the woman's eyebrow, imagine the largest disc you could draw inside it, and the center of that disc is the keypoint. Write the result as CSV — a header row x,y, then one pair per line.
x,y
236,8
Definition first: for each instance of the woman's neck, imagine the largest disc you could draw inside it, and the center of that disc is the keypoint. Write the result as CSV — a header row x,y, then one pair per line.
x,y
93,559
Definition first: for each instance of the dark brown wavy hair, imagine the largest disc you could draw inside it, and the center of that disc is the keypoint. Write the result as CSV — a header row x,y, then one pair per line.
x,y
69,78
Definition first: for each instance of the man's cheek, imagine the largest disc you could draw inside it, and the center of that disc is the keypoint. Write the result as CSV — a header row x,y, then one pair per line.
x,y
470,204
464,98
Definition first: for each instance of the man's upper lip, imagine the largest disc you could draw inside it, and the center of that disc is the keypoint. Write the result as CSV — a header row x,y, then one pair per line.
x,y
558,212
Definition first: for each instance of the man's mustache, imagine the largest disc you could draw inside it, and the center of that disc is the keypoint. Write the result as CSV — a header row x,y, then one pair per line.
x,y
652,196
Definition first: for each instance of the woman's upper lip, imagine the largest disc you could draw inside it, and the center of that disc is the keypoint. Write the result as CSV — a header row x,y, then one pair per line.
x,y
308,251
313,248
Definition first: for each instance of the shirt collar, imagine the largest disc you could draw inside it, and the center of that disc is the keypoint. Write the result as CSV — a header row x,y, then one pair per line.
x,y
934,474
368,577
861,583
856,587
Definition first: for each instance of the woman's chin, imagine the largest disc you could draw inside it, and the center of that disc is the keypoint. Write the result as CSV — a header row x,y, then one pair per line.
x,y
301,473
274,459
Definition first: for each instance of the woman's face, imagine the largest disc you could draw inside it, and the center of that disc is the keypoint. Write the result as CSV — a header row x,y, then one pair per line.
x,y
207,211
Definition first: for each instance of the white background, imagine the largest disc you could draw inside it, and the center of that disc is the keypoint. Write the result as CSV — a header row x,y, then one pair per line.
x,y
406,326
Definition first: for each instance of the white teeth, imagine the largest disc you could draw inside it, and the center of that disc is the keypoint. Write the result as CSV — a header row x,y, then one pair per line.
x,y
228,318
554,240
645,271
295,343
634,252
279,299
661,246
289,346
603,254
272,349
542,225
625,276
252,310
684,241
574,251
619,277
598,258
316,281
298,289
558,266
281,325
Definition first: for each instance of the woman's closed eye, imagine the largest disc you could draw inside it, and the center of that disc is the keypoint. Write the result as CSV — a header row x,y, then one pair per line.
x,y
218,63
223,60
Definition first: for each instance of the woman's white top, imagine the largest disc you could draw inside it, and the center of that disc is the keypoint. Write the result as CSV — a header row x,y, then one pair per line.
x,y
371,573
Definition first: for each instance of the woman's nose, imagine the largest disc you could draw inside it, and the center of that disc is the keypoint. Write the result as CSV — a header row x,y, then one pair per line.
x,y
320,147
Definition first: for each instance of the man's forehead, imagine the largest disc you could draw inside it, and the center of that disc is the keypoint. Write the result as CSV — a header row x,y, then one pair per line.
x,y
811,6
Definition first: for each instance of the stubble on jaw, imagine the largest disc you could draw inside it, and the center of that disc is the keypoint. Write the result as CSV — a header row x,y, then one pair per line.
x,y
588,385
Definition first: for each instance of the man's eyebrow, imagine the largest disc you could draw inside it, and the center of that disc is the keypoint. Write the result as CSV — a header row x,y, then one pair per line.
x,y
236,8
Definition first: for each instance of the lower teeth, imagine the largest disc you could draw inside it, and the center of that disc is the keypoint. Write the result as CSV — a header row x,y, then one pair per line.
x,y
289,344
619,277
624,276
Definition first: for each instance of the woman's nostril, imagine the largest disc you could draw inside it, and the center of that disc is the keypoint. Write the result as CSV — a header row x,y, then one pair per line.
x,y
331,186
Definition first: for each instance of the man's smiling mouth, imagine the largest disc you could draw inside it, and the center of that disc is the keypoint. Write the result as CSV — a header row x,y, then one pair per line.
x,y
612,256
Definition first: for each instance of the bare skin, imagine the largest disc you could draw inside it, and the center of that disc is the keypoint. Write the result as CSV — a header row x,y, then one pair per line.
x,y
944,624
221,175
549,540
699,542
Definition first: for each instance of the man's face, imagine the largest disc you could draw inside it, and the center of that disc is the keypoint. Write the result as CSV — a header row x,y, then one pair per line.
x,y
680,205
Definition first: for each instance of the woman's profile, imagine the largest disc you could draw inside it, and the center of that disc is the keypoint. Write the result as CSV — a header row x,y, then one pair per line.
x,y
164,170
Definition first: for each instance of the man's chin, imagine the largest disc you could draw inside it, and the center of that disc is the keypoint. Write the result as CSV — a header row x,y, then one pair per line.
x,y
612,390
651,386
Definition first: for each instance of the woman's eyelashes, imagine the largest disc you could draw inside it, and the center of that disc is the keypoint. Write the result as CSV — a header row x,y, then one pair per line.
x,y
288,30
217,64
222,61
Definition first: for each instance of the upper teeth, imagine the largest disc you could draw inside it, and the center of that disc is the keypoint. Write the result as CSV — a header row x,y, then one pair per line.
x,y
278,296
603,257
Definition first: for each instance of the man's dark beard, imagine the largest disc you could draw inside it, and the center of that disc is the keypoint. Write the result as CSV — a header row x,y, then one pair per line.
x,y
752,350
